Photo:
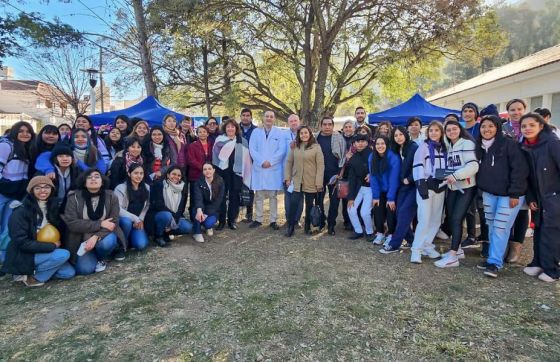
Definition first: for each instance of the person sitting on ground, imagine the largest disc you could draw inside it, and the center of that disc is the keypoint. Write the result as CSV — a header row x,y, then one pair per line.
x,y
208,193
91,216
29,260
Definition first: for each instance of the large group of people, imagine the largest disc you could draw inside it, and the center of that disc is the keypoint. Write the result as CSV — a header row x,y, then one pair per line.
x,y
76,197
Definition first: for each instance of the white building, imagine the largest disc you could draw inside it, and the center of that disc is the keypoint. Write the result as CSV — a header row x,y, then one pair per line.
x,y
535,78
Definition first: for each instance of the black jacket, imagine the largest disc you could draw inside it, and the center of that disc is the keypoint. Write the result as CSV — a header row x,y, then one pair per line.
x,y
503,170
118,172
201,196
358,169
22,226
407,163
544,178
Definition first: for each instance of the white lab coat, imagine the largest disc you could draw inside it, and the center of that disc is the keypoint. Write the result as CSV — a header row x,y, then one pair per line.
x,y
271,149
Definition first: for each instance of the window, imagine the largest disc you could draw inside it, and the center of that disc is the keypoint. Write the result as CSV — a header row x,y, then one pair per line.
x,y
555,109
536,102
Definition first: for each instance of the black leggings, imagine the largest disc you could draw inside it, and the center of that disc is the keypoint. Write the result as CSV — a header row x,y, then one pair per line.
x,y
458,203
382,213
520,226
295,199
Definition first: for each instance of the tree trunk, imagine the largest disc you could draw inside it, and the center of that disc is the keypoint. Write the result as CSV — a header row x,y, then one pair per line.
x,y
206,81
145,56
226,65
305,112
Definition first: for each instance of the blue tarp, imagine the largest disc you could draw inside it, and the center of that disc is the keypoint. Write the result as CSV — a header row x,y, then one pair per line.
x,y
149,110
416,106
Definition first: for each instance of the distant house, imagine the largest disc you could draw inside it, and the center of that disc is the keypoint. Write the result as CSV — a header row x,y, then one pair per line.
x,y
36,99
7,119
535,78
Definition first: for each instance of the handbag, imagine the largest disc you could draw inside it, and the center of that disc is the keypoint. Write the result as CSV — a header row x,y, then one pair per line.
x,y
316,214
342,186
245,196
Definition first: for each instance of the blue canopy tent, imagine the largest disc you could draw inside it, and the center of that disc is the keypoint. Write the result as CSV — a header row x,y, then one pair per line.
x,y
416,106
149,110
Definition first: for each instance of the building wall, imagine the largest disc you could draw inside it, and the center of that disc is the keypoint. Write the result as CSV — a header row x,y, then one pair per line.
x,y
539,87
29,102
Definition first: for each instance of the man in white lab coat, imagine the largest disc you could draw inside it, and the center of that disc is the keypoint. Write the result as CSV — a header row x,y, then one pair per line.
x,y
268,150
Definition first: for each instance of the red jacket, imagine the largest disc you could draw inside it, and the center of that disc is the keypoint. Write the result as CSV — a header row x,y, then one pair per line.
x,y
195,158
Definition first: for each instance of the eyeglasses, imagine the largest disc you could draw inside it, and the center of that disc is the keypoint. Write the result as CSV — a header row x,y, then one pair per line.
x,y
42,188
212,123
93,177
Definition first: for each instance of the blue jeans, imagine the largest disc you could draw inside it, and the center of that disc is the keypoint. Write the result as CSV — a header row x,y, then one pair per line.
x,y
210,221
163,221
499,218
287,205
85,264
406,211
5,212
53,263
137,238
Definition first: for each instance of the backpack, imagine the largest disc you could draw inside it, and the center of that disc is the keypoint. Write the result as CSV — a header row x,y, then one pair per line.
x,y
11,156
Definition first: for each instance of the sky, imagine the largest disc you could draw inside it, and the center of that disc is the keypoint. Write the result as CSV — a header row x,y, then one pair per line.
x,y
78,14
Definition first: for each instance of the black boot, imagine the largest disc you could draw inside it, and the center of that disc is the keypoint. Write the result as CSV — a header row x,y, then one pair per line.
x,y
232,225
331,230
221,225
290,231
307,229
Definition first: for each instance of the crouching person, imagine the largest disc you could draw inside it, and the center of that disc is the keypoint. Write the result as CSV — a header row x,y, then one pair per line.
x,y
91,216
134,201
29,260
208,193
168,199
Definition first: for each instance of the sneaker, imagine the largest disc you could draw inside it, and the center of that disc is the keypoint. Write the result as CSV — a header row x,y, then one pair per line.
x,y
172,237
210,232
533,270
378,239
388,250
491,271
432,253
198,238
546,278
356,236
416,257
449,261
18,278
406,245
387,240
255,224
529,233
442,235
460,254
469,243
100,266
119,255
30,281
483,266
274,226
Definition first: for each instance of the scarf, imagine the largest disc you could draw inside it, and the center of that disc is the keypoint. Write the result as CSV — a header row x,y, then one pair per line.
x,y
516,128
175,135
158,151
129,159
80,153
222,150
530,144
43,208
64,181
172,194
97,213
432,146
486,144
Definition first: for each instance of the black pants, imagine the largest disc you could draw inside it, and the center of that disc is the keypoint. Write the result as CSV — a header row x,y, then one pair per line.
x,y
333,205
249,214
476,207
457,206
382,214
230,203
345,216
296,199
520,226
546,249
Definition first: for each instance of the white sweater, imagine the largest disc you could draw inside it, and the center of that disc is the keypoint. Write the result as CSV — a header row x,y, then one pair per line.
x,y
461,158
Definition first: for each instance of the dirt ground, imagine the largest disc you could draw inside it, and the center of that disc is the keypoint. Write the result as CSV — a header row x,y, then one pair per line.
x,y
255,295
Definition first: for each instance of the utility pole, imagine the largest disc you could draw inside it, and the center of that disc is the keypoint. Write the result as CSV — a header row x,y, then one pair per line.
x,y
101,77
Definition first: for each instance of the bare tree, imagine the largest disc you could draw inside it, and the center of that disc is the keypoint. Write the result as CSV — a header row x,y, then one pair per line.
x,y
60,68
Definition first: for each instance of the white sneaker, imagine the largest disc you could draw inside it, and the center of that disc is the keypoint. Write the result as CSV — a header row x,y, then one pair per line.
x,y
210,232
171,237
460,254
378,239
449,261
529,233
387,240
100,266
532,270
546,278
442,235
198,238
18,278
431,253
416,257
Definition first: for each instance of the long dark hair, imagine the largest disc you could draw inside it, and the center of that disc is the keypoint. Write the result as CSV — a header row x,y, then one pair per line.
x,y
92,155
142,190
41,145
379,163
81,182
215,185
463,133
395,146
537,117
148,148
127,121
109,143
22,151
91,131
311,137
